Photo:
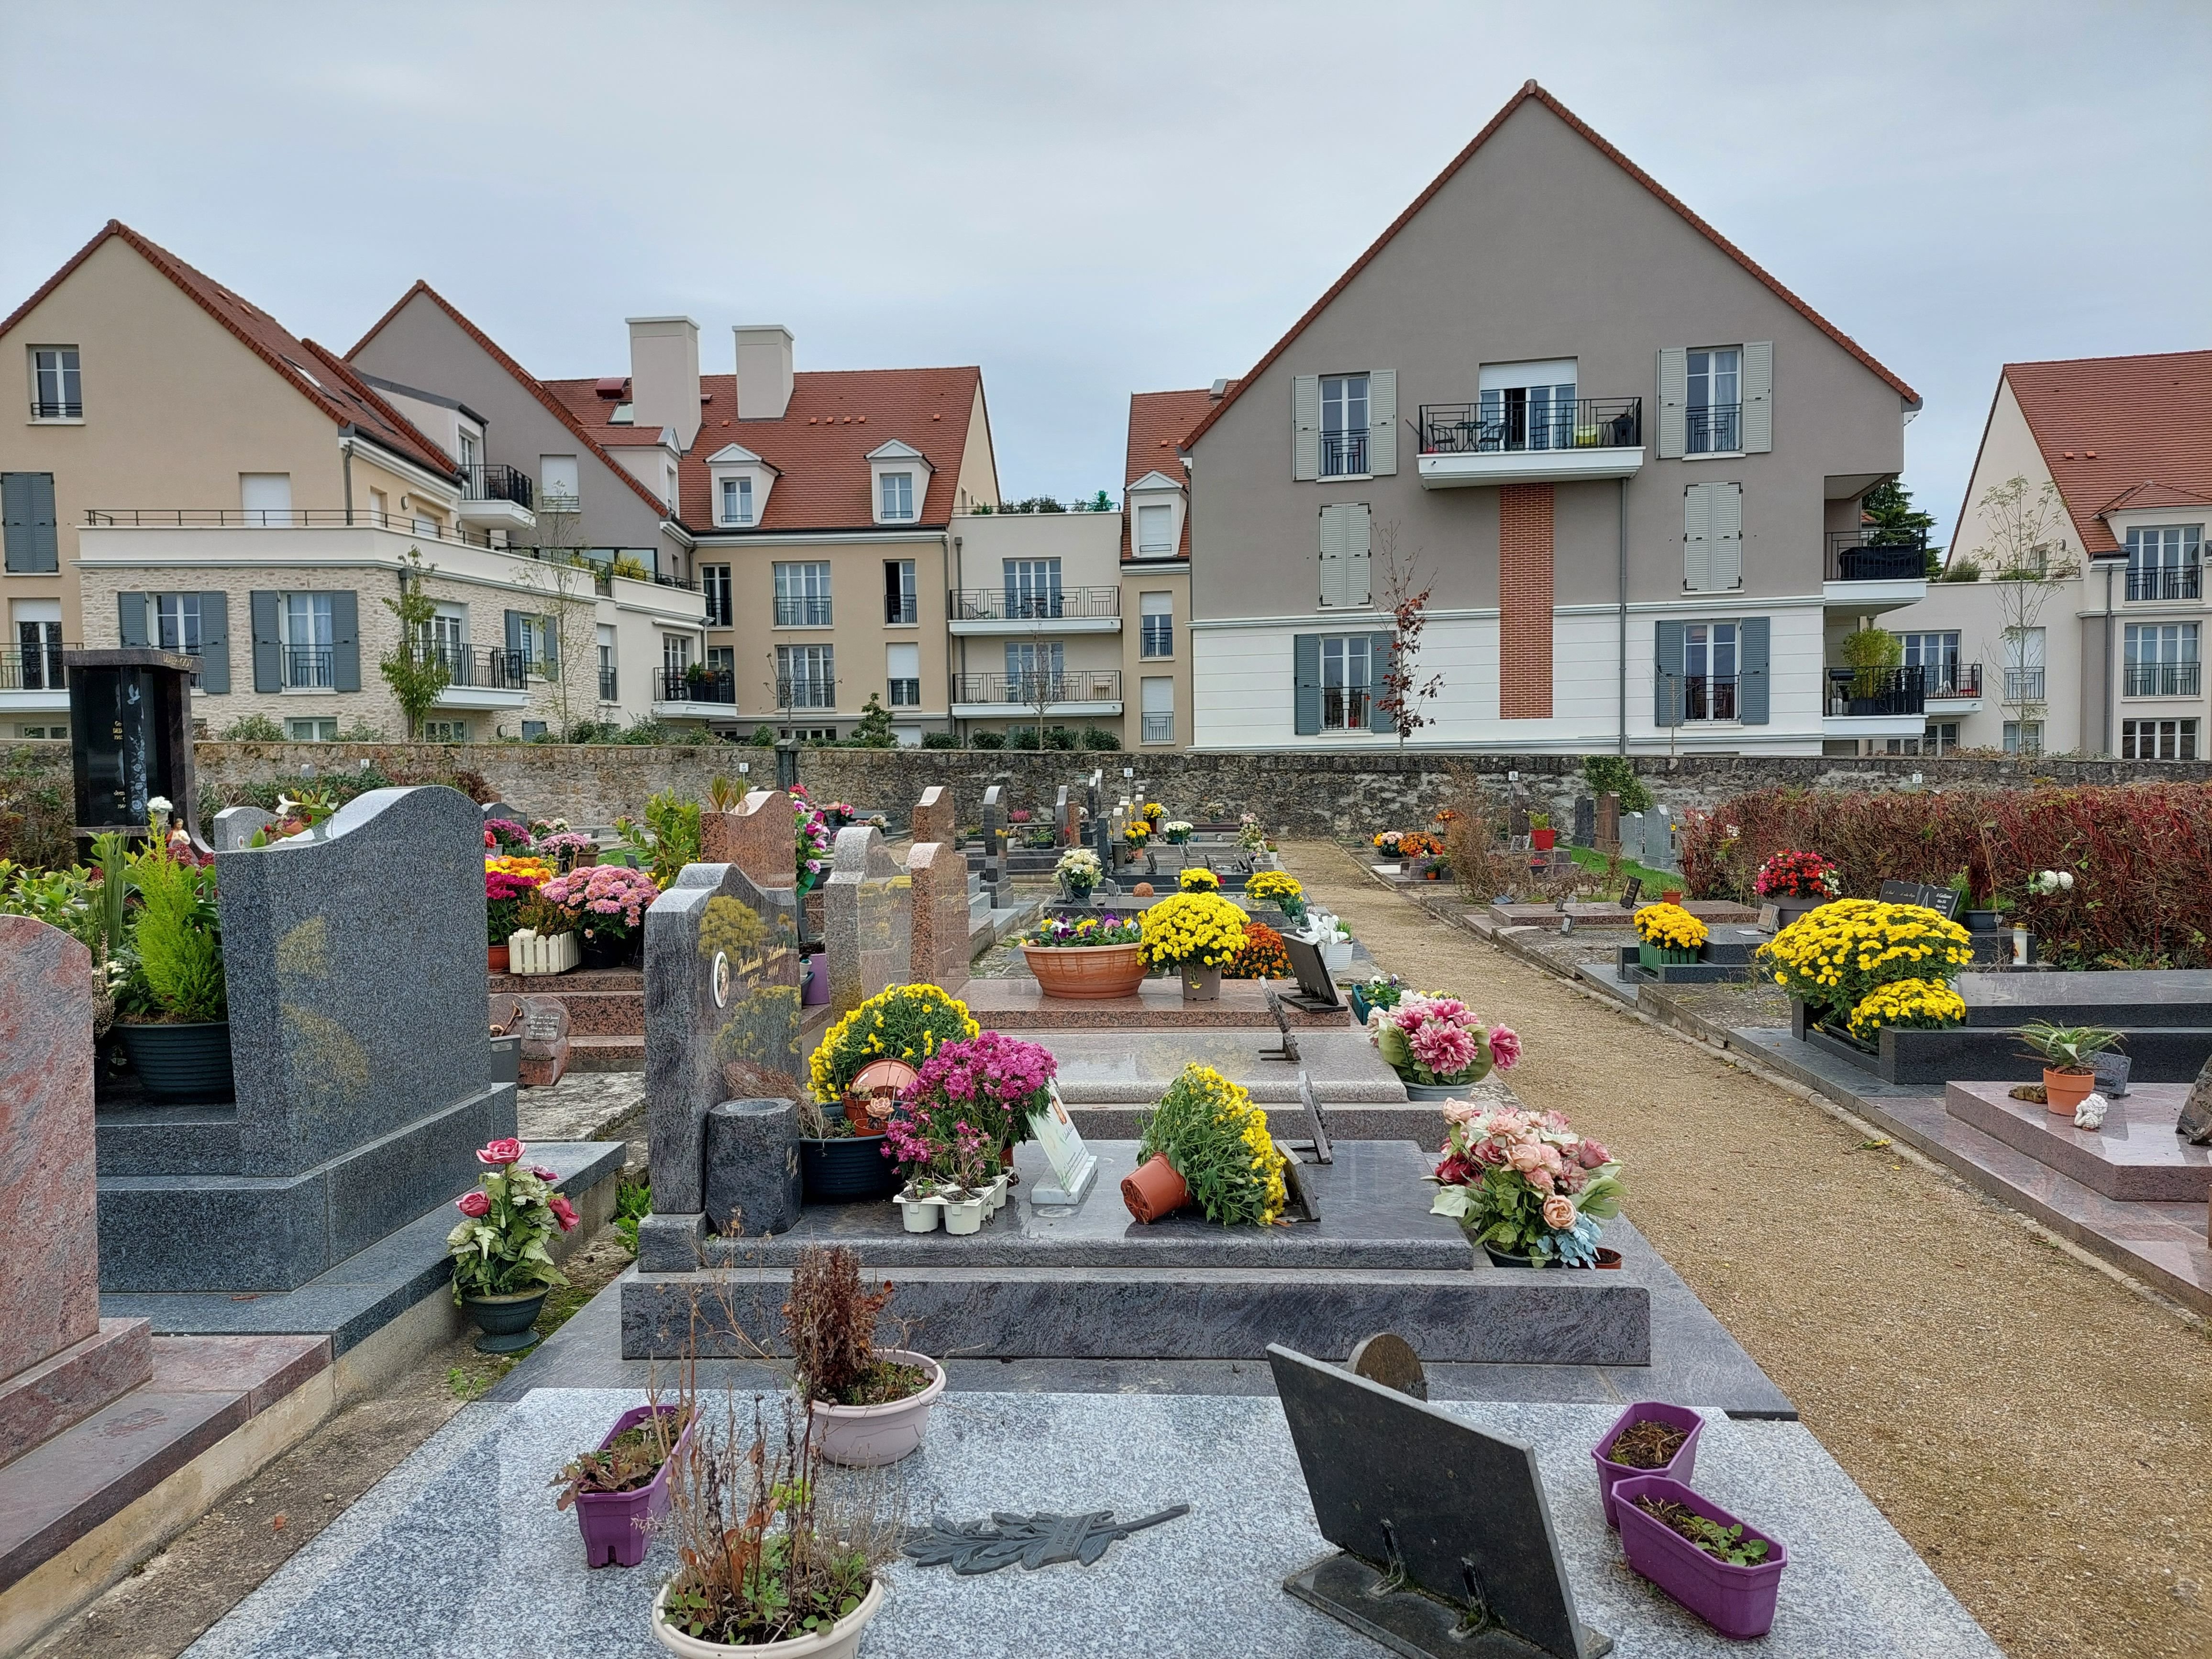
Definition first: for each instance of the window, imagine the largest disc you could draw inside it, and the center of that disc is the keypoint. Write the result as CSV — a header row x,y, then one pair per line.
x,y
1941,737
900,605
806,677
306,641
445,636
1715,403
1034,669
2163,562
903,672
531,729
808,734
802,595
445,731
39,662
1346,682
57,389
737,501
266,498
676,653
1157,625
2023,737
50,732
27,510
715,579
1709,671
1526,405
177,623
1343,425
609,681
1033,588
2023,675
311,730
1938,653
897,495
557,484
2160,660
1712,537
1157,693
470,450
1155,532
1346,538
2158,739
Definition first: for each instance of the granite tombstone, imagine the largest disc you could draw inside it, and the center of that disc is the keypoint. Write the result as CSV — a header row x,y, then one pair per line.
x,y
868,919
935,817
1585,821
939,924
131,731
995,839
757,836
235,827
1608,822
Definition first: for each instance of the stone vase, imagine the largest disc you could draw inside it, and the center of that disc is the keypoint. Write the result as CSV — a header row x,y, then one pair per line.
x,y
1201,984
1086,973
505,1321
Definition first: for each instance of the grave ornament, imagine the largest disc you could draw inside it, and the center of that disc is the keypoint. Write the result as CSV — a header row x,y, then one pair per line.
x,y
2090,1114
969,1547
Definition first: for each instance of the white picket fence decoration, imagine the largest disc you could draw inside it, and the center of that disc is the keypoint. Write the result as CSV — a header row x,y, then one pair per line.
x,y
529,951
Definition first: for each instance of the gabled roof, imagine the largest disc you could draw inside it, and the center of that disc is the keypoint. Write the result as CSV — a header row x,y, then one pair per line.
x,y
821,444
1159,421
736,454
322,379
522,377
1530,91
2108,426
2150,494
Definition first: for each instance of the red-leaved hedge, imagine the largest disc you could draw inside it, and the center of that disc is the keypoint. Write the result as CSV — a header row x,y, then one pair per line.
x,y
2141,855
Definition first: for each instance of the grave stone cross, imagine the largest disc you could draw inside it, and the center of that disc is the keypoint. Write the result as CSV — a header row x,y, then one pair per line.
x,y
1585,821
868,919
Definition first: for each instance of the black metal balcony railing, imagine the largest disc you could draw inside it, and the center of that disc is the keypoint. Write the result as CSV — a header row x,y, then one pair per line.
x,y
34,668
2023,685
696,684
1952,679
44,410
2165,581
662,579
495,481
1699,696
1028,691
1586,424
2160,679
1159,729
1159,637
486,667
901,609
802,610
1343,454
1874,691
1871,553
1345,708
904,694
608,685
1712,429
308,667
810,692
276,518
1029,605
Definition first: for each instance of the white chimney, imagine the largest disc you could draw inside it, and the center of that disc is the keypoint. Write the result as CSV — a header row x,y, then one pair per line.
x,y
763,371
664,375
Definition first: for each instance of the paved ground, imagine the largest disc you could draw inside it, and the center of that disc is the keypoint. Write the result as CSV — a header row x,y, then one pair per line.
x,y
2040,1434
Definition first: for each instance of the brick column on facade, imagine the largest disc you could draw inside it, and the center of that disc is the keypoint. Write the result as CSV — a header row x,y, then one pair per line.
x,y
1524,602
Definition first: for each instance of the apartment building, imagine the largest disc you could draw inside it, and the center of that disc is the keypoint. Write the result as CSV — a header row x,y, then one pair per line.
x,y
195,477
1623,460
1156,561
2071,614
1037,621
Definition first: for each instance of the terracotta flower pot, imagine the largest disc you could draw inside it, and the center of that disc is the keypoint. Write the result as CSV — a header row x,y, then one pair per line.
x,y
2064,1090
1154,1190
1670,895
495,959
1086,972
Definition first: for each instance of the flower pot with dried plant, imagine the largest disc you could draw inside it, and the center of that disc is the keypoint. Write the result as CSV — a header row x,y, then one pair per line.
x,y
870,1405
620,1488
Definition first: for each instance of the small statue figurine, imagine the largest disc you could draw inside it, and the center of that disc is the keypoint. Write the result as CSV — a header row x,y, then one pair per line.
x,y
2090,1114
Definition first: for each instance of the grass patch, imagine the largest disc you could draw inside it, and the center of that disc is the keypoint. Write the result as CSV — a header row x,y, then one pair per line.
x,y
1655,881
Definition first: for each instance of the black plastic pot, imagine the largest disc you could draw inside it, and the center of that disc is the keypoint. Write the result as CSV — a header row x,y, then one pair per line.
x,y
846,1170
181,1062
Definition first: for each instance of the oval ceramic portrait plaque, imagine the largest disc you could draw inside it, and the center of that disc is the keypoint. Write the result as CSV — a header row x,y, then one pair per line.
x,y
721,978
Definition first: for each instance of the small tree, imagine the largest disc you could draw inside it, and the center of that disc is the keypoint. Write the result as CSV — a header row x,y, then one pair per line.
x,y
564,579
416,672
1406,594
874,729
1889,512
2024,549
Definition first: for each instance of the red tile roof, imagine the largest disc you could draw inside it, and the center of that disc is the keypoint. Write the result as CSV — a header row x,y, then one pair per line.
x,y
820,446
2112,426
1530,90
1158,422
307,368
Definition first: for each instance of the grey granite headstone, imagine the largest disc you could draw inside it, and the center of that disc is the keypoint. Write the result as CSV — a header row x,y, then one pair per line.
x,y
868,919
752,1184
1067,828
235,827
1659,841
1585,821
994,838
500,808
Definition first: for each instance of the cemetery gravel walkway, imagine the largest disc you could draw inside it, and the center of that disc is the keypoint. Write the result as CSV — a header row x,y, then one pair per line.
x,y
2039,1433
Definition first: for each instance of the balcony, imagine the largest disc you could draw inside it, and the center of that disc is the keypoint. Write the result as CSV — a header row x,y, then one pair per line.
x,y
1343,454
272,517
306,667
2165,581
802,610
1070,691
2160,679
1022,610
2023,685
47,409
1463,444
497,496
1954,688
900,610
483,676
808,691
1872,570
1712,429
1159,728
693,694
32,681
1877,693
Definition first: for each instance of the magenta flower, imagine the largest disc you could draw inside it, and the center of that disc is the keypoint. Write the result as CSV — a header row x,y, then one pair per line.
x,y
1504,1048
475,1203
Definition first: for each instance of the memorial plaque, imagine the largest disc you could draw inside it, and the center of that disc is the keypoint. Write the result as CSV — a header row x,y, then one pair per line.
x,y
1316,990
1074,1167
1631,893
2113,1075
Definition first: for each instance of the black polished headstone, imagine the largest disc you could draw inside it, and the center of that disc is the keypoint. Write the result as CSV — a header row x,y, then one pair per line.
x,y
1585,822
1316,990
130,737
1417,1498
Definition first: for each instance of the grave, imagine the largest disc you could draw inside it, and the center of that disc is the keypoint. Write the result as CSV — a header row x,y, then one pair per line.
x,y
868,919
934,818
1729,947
938,930
1608,822
1015,1003
235,827
994,842
2135,1155
130,735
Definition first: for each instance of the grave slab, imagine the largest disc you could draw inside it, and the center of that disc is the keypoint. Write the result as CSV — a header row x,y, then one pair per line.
x,y
1128,1067
1015,1003
2136,1154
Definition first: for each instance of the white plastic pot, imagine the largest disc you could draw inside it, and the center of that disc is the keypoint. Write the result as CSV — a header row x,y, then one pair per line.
x,y
963,1215
921,1215
867,1437
840,1641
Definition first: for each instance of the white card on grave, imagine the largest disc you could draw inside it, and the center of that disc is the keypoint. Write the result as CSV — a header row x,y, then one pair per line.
x,y
1074,1167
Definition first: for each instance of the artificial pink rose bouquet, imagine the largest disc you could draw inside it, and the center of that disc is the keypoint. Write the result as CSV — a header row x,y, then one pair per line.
x,y
1436,1041
1525,1184
498,1247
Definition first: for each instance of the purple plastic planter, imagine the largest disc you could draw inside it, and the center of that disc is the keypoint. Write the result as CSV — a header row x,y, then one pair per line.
x,y
1682,1466
1737,1602
610,1520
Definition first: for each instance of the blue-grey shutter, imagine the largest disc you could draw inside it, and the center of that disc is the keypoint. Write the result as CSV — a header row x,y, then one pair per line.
x,y
552,637
1305,672
514,641
1378,664
346,641
1667,675
268,653
131,620
215,644
1753,648
26,505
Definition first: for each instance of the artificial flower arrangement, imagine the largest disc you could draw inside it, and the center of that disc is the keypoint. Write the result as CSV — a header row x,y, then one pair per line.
x,y
608,900
1790,874
1834,958
506,836
907,1023
1198,880
1669,926
1264,955
1249,836
1279,888
1202,930
1914,1005
498,1248
812,839
1079,870
1078,932
1438,1043
1214,1142
506,889
1177,831
1525,1185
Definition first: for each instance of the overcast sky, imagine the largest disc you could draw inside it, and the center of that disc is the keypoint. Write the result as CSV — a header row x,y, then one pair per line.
x,y
1092,200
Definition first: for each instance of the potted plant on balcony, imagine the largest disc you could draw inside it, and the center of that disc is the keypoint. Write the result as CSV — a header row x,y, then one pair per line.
x,y
172,1006
2068,1054
1085,957
1796,883
501,1269
870,1405
1667,936
607,903
1206,1143
1197,934
1542,835
620,1488
1525,1186
1437,1045
1870,653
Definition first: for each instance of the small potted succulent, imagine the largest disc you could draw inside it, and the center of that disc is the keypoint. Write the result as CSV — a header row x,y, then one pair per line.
x,y
1542,835
870,1405
1667,936
2069,1056
502,1269
1649,1437
1796,883
1206,1143
1085,957
620,1488
1437,1045
1723,1571
1197,934
1526,1187
1078,871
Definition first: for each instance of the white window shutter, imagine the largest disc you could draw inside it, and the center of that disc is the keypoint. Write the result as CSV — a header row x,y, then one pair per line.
x,y
1673,402
1758,391
1305,426
1333,556
1727,528
1697,538
1358,544
1382,422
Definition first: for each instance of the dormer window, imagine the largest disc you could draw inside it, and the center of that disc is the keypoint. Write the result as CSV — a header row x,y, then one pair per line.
x,y
738,488
1156,510
900,473
897,495
1155,531
622,415
737,500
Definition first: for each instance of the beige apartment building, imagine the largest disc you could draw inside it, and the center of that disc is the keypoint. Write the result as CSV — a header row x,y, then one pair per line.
x,y
192,475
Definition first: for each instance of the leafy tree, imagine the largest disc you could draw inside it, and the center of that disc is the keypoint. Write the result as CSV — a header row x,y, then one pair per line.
x,y
1887,509
1616,774
874,729
416,673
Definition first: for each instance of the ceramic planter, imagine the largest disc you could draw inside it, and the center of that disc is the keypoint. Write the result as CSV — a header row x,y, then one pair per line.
x,y
1737,1602
1153,1189
1336,954
846,1170
919,1215
840,1641
1680,1468
1670,895
2063,1090
505,1321
613,1522
1086,972
1201,984
965,1215
1665,956
187,1062
868,1436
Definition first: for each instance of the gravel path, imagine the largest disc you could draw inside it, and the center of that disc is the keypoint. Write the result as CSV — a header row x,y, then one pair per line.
x,y
2040,1434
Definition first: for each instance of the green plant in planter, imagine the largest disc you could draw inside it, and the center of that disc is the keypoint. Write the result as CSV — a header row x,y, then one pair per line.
x,y
1871,651
1216,1138
177,936
2069,1047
